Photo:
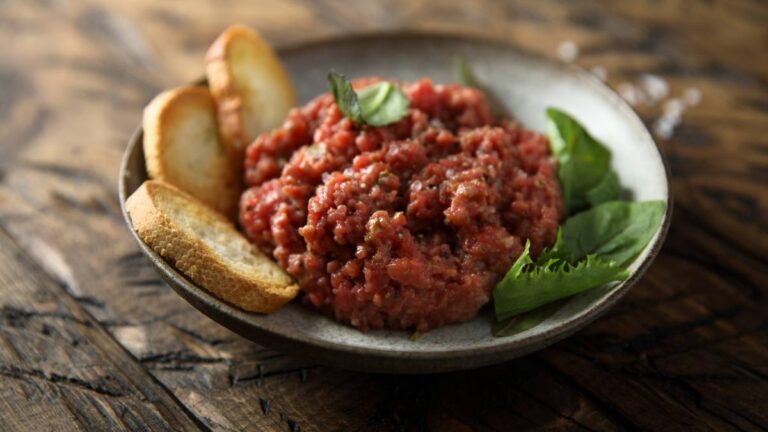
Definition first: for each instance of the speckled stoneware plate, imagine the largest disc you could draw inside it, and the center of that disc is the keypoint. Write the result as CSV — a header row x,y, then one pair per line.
x,y
528,85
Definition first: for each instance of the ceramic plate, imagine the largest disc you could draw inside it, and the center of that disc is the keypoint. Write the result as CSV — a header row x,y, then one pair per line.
x,y
528,85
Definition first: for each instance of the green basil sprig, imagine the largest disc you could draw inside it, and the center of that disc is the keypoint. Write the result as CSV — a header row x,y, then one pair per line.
x,y
378,104
528,285
467,78
583,163
594,246
614,231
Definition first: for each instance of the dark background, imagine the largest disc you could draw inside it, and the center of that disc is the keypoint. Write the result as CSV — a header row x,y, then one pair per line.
x,y
91,339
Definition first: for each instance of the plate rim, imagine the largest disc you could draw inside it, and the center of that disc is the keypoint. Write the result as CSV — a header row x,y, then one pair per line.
x,y
394,360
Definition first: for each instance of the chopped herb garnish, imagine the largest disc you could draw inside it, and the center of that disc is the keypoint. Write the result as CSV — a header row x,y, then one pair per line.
x,y
378,104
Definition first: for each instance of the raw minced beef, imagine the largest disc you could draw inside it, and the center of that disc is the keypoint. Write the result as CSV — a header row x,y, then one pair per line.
x,y
406,226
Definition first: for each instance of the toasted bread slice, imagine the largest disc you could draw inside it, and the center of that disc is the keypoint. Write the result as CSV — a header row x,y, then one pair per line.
x,y
182,147
207,248
250,85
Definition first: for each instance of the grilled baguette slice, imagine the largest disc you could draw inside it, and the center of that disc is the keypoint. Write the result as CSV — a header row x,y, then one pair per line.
x,y
251,87
182,147
207,248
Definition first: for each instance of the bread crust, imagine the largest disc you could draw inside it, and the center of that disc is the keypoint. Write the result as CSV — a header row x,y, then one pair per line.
x,y
270,90
175,225
182,147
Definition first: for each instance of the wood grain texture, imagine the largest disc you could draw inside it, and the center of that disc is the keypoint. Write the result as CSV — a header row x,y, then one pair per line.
x,y
686,349
59,369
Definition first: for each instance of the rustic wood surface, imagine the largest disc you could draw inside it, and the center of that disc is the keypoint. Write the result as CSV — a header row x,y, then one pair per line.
x,y
90,339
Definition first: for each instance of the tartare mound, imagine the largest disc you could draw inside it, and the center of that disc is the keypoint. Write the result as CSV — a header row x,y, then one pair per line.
x,y
405,226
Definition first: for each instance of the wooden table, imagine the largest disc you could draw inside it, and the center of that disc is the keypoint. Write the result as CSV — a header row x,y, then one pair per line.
x,y
91,339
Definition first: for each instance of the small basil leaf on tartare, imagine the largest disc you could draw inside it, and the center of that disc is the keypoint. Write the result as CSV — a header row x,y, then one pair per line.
x,y
382,103
582,161
528,285
345,97
464,74
378,104
615,231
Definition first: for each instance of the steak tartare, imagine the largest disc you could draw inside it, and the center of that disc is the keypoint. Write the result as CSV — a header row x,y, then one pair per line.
x,y
404,226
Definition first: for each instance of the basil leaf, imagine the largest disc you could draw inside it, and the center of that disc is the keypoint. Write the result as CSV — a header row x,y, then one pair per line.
x,y
525,321
464,74
382,103
526,286
582,160
559,250
373,96
592,248
607,189
376,105
614,231
467,78
345,97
